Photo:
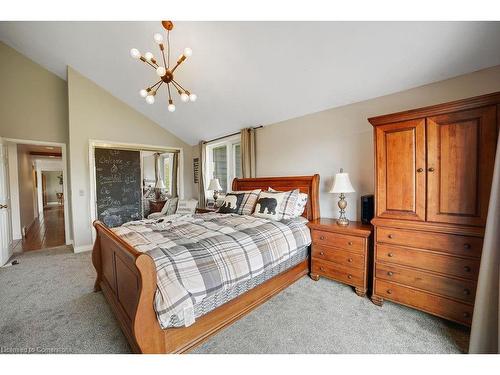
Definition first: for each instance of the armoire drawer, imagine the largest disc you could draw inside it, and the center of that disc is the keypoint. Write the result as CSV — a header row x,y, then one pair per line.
x,y
464,290
444,307
339,256
448,243
335,271
425,260
343,241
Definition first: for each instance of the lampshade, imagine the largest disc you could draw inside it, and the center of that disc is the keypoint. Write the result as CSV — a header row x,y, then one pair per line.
x,y
342,184
214,184
159,184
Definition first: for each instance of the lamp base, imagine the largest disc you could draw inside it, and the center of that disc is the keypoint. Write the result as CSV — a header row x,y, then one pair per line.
x,y
342,221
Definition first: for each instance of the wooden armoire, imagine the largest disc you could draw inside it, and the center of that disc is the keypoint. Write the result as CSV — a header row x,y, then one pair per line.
x,y
433,175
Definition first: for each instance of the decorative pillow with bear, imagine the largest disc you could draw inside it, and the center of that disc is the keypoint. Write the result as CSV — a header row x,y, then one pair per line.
x,y
268,205
301,203
285,201
247,202
232,203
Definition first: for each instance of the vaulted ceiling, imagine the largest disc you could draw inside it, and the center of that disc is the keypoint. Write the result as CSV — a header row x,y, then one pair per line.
x,y
258,73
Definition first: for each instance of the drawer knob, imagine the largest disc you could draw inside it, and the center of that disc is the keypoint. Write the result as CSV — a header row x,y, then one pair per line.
x,y
390,255
466,314
420,170
321,253
349,260
431,169
389,291
349,276
349,243
467,246
467,269
390,236
390,273
466,292
322,237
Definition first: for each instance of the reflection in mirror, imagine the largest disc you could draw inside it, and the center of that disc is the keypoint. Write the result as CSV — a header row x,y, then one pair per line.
x,y
160,179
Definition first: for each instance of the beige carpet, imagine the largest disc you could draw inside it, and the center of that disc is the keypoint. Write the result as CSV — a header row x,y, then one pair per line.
x,y
47,305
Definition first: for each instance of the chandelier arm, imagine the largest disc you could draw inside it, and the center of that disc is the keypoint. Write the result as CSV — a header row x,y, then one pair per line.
x,y
147,62
176,66
169,96
163,56
178,84
168,49
161,83
152,87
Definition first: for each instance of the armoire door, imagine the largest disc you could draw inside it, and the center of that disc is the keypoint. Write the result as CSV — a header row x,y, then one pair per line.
x,y
460,157
400,157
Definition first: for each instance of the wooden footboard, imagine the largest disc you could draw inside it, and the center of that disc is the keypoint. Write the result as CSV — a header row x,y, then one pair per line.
x,y
127,279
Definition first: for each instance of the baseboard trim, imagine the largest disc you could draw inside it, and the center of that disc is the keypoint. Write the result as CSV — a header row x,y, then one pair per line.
x,y
81,249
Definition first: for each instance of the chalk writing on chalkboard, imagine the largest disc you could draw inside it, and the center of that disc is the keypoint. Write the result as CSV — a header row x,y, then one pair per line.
x,y
118,186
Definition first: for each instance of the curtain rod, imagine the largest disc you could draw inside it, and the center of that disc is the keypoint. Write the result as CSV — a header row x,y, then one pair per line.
x,y
229,135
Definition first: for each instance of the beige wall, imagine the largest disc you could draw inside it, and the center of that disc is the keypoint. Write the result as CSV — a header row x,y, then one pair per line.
x,y
95,114
33,101
27,201
325,141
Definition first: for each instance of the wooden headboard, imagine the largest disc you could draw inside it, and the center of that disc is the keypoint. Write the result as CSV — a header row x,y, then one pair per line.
x,y
306,184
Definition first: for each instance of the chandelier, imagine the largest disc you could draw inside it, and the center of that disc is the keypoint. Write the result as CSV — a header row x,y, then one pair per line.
x,y
165,72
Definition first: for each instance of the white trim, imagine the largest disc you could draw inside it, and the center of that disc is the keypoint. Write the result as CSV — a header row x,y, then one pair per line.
x,y
64,158
82,249
132,146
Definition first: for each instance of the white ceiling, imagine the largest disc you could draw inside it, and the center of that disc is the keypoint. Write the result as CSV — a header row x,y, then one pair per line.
x,y
258,73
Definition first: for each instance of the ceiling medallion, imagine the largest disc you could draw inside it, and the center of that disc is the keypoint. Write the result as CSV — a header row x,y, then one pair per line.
x,y
166,73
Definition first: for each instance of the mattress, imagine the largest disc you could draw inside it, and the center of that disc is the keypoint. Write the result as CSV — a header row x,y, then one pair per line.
x,y
204,260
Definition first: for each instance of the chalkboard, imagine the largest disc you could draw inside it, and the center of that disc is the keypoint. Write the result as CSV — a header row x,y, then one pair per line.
x,y
118,186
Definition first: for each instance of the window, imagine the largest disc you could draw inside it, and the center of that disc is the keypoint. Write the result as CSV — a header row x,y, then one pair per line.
x,y
224,162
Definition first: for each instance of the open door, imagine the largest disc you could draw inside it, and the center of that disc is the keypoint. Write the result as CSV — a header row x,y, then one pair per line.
x,y
5,216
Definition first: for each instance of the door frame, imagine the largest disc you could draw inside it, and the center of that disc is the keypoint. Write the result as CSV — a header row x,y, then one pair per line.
x,y
93,143
67,233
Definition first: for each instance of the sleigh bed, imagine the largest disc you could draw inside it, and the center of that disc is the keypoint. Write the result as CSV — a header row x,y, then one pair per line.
x,y
128,280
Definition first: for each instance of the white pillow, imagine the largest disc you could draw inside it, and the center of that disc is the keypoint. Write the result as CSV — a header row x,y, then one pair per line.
x,y
186,206
300,206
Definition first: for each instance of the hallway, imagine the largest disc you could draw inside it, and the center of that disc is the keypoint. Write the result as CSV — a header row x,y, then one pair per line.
x,y
46,232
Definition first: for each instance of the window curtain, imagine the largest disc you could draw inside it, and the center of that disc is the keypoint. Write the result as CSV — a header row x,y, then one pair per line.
x,y
201,170
175,174
485,330
248,162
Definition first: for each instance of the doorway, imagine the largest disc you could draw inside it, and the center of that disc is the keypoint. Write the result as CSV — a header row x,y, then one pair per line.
x,y
38,195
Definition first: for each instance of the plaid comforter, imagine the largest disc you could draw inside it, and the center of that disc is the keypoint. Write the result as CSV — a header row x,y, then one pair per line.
x,y
199,255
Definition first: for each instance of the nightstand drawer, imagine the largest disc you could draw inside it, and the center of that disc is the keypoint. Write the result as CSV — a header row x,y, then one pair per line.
x,y
351,276
342,257
342,241
464,290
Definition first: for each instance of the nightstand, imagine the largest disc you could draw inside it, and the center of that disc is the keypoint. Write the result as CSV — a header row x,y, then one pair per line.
x,y
204,210
341,253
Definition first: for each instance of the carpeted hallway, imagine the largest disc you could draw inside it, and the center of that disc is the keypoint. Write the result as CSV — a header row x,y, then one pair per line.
x,y
47,304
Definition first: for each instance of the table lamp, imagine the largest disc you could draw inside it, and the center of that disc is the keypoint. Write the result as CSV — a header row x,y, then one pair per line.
x,y
215,186
342,185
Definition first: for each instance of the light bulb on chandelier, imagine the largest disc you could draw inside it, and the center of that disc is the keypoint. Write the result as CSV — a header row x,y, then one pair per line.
x,y
165,72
